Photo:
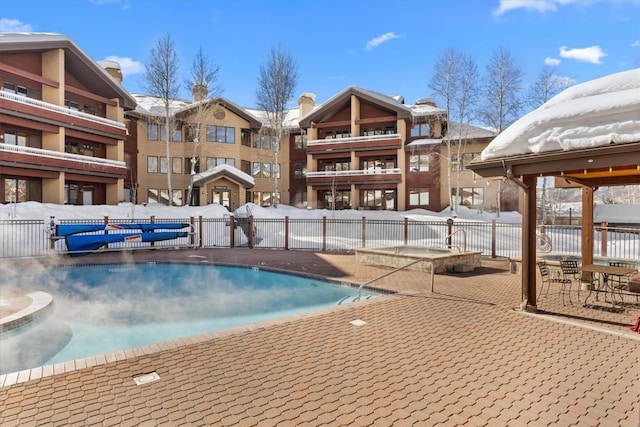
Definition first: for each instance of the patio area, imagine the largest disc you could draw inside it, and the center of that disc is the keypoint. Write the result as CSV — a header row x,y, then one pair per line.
x,y
463,355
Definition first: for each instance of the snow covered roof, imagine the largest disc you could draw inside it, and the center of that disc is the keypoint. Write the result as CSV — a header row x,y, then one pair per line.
x,y
593,114
153,106
291,117
424,141
221,170
469,131
616,213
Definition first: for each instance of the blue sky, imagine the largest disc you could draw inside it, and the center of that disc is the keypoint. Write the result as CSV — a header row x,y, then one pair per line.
x,y
387,46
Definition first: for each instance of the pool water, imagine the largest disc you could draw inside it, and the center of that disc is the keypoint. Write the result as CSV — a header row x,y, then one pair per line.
x,y
102,309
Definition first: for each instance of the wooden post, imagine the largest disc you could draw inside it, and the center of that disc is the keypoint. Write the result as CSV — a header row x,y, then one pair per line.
x,y
587,229
364,232
603,239
324,233
286,233
192,231
250,236
153,219
232,231
493,238
406,230
200,230
529,273
53,232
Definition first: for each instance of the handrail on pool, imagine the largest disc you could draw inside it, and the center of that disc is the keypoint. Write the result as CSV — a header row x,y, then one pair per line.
x,y
464,241
398,269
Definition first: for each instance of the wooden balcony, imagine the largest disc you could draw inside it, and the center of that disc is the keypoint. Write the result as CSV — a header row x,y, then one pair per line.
x,y
46,160
20,107
367,176
356,143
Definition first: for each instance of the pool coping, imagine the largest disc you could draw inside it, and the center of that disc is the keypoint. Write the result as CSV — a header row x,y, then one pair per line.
x,y
41,303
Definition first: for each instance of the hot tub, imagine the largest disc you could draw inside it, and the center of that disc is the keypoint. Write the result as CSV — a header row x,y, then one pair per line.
x,y
442,259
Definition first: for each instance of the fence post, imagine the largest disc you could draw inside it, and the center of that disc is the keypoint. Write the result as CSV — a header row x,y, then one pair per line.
x,y
493,238
250,222
232,231
603,240
192,237
53,232
364,232
449,231
200,229
152,219
106,229
286,233
406,230
324,233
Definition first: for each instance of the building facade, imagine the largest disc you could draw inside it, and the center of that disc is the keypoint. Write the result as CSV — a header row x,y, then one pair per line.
x,y
71,134
61,124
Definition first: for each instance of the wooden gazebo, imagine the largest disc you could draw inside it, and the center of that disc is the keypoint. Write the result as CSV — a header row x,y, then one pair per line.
x,y
589,135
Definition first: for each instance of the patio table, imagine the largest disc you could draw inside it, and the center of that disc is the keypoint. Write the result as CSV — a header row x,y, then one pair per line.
x,y
605,285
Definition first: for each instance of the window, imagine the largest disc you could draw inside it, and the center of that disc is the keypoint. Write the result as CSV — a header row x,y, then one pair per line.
x,y
177,135
21,90
300,141
176,198
380,163
22,190
338,199
245,137
176,165
152,132
299,170
418,197
257,168
378,199
164,165
263,198
387,130
187,165
334,165
89,109
152,164
469,196
153,195
419,162
72,105
221,134
245,166
458,163
421,130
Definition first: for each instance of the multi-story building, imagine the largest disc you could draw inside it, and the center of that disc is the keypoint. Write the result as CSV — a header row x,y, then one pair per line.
x,y
62,125
71,134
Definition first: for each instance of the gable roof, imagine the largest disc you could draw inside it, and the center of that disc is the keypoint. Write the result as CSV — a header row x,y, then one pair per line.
x,y
224,171
77,62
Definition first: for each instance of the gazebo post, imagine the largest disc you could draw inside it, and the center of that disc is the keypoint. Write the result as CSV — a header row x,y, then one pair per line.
x,y
529,275
587,225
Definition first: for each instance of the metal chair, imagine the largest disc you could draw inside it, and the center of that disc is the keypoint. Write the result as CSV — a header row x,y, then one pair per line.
x,y
548,279
622,282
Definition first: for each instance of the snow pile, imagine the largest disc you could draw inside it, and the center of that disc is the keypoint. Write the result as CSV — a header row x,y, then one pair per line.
x,y
43,211
592,114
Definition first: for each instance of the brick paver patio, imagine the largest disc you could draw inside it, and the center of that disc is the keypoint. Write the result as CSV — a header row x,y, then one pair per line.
x,y
463,355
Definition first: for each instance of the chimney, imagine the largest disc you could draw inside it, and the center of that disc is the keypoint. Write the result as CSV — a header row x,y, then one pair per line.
x,y
113,69
306,102
199,92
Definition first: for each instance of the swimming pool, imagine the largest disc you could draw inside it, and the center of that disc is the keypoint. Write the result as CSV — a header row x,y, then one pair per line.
x,y
99,309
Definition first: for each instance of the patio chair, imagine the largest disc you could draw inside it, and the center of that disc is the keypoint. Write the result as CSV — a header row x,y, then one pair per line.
x,y
621,283
548,279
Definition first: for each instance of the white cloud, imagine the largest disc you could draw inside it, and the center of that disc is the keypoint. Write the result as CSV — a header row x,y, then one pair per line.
x,y
127,65
542,6
14,26
554,62
377,41
635,43
591,54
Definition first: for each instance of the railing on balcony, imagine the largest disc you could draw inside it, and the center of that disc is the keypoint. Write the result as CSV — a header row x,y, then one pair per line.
x,y
60,155
58,109
353,139
361,172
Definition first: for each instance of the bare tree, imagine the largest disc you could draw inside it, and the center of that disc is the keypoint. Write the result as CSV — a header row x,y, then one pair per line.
x,y
444,84
502,87
543,89
546,86
161,80
276,86
455,80
203,81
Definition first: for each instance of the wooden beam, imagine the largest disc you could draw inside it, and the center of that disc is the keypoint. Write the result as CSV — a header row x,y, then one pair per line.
x,y
529,273
31,76
90,95
587,225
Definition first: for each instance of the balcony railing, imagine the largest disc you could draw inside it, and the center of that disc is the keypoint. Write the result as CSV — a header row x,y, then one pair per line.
x,y
59,155
58,109
361,172
353,139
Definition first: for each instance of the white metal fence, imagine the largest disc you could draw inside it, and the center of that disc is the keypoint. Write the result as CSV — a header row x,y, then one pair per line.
x,y
32,238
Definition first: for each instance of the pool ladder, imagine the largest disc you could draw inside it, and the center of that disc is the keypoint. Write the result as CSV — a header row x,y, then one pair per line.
x,y
391,272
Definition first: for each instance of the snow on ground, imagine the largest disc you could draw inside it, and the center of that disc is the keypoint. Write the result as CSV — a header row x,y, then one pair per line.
x,y
43,211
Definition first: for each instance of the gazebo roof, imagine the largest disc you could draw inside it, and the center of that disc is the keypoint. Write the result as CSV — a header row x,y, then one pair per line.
x,y
589,133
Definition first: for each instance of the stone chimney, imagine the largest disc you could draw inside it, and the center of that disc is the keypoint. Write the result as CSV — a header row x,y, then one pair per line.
x,y
113,69
199,92
306,102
